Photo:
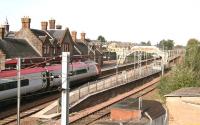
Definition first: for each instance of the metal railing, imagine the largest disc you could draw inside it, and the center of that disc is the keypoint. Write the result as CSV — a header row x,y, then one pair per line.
x,y
110,82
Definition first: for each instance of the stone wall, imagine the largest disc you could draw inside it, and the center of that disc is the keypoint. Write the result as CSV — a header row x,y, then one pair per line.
x,y
2,60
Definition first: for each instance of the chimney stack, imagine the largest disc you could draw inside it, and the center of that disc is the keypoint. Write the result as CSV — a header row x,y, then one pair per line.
x,y
2,32
44,25
52,23
26,22
58,27
74,33
83,37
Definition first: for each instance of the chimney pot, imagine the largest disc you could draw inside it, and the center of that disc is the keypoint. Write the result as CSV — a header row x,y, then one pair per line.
x,y
52,23
74,33
2,32
44,25
83,36
26,22
59,27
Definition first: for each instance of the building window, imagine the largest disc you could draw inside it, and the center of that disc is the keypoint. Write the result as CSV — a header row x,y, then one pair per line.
x,y
46,49
54,51
65,48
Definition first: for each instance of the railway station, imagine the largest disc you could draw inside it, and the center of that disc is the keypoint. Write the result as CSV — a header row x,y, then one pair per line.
x,y
115,80
90,63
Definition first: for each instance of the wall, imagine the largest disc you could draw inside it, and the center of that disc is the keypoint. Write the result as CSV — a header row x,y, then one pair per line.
x,y
2,60
109,93
183,110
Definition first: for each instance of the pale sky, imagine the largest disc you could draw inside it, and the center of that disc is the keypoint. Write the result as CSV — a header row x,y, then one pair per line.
x,y
120,20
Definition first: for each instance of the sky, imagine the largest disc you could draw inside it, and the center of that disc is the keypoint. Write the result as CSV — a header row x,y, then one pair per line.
x,y
116,20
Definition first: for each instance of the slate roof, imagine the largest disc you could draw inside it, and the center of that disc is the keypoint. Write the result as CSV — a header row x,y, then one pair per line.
x,y
17,48
39,33
186,92
57,34
81,46
10,34
153,108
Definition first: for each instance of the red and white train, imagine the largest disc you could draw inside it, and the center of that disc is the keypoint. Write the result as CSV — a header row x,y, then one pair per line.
x,y
38,78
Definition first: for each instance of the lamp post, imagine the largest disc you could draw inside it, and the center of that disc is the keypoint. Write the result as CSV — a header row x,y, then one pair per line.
x,y
18,89
65,89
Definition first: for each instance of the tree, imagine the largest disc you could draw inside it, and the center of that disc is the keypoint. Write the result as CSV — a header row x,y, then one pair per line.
x,y
149,43
166,44
145,43
101,39
185,75
192,56
142,43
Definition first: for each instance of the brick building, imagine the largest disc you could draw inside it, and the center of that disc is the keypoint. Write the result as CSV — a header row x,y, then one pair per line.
x,y
15,47
47,43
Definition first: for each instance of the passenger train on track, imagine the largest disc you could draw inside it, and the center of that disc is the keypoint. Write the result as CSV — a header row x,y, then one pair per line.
x,y
43,78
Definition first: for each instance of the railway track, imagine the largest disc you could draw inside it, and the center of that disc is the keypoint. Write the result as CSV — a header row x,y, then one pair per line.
x,y
104,111
27,109
35,106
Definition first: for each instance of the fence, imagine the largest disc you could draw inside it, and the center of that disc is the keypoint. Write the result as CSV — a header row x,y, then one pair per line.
x,y
110,82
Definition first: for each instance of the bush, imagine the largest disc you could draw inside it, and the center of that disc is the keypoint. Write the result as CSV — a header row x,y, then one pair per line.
x,y
180,77
186,75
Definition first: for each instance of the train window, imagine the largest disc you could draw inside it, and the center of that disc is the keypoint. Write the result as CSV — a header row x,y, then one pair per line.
x,y
80,71
12,85
24,82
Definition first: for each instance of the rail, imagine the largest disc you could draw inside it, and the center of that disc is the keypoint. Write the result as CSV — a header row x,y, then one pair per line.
x,y
110,82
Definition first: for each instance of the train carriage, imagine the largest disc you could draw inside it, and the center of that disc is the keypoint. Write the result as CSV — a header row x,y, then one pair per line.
x,y
43,78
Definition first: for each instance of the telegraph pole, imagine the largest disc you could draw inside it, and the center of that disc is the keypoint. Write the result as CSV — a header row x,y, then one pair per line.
x,y
18,89
65,89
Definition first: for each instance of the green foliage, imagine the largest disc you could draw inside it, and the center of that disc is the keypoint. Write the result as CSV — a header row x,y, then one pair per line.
x,y
145,43
185,75
192,53
149,43
101,39
181,77
166,44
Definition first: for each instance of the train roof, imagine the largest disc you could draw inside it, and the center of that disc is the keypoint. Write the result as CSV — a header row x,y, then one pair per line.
x,y
11,73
